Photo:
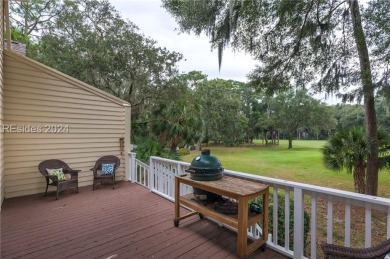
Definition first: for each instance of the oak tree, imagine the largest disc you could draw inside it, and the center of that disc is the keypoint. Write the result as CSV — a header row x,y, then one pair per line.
x,y
327,45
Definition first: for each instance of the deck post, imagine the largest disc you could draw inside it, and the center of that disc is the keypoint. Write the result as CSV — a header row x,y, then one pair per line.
x,y
298,223
132,167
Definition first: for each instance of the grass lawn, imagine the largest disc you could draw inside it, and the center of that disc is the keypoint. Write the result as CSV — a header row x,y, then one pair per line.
x,y
303,163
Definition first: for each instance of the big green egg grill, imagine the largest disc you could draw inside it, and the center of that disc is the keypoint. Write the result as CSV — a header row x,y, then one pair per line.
x,y
205,167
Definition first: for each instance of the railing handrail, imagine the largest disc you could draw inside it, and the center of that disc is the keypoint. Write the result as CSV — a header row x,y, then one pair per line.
x,y
141,163
307,187
314,188
170,160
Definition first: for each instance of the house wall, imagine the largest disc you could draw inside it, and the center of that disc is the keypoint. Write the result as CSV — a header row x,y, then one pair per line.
x,y
1,106
38,96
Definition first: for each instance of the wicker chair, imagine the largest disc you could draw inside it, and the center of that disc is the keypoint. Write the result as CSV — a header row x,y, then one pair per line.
x,y
61,185
98,178
379,251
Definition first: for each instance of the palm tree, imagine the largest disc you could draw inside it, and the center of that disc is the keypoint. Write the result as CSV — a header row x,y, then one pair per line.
x,y
177,123
348,149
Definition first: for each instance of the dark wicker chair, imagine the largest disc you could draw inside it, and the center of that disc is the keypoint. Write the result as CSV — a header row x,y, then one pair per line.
x,y
61,185
97,178
378,251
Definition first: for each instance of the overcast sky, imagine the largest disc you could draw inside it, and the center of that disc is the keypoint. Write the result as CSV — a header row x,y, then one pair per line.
x,y
155,22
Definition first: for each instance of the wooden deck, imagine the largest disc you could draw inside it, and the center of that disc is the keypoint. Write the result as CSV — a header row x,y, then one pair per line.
x,y
128,222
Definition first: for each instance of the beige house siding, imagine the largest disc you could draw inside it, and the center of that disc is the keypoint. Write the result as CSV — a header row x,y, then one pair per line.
x,y
1,107
36,97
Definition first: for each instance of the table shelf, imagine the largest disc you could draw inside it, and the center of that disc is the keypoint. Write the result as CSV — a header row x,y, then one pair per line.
x,y
229,219
241,190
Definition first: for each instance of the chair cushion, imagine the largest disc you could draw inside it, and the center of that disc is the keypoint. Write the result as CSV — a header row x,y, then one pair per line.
x,y
56,172
107,169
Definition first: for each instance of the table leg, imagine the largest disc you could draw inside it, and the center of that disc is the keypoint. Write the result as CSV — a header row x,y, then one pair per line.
x,y
177,205
242,227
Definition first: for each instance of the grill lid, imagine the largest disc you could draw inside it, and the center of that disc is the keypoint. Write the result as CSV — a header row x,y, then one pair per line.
x,y
206,162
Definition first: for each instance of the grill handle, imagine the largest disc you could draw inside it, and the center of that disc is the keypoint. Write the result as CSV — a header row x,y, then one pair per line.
x,y
191,171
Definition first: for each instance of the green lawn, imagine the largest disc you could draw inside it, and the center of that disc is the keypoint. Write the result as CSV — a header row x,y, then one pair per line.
x,y
303,163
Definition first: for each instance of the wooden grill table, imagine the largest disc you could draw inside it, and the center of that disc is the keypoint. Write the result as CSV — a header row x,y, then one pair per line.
x,y
239,189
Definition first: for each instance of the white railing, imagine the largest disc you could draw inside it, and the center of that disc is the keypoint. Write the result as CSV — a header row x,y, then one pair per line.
x,y
139,171
161,179
322,206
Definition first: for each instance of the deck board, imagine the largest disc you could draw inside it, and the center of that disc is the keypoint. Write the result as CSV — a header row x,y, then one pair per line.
x,y
128,222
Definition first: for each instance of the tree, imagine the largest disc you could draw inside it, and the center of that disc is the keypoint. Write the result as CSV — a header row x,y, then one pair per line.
x,y
251,108
383,108
267,120
149,146
91,42
348,115
377,28
317,43
221,111
349,149
19,36
34,16
294,110
177,123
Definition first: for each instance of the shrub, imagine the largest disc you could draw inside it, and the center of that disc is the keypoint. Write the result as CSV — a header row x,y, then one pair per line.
x,y
149,146
281,221
232,143
183,151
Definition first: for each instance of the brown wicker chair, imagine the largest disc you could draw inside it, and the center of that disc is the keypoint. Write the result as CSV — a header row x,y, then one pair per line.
x,y
334,251
61,185
98,178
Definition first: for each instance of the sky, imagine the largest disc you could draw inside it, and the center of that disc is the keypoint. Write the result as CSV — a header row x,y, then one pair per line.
x,y
154,21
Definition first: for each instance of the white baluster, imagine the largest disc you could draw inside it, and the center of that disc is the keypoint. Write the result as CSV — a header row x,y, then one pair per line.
x,y
137,169
151,174
143,175
347,238
287,219
313,226
298,223
329,233
368,225
275,216
388,222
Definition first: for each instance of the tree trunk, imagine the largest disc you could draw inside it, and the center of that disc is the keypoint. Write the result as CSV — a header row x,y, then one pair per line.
x,y
199,145
173,146
368,93
359,177
175,141
290,139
